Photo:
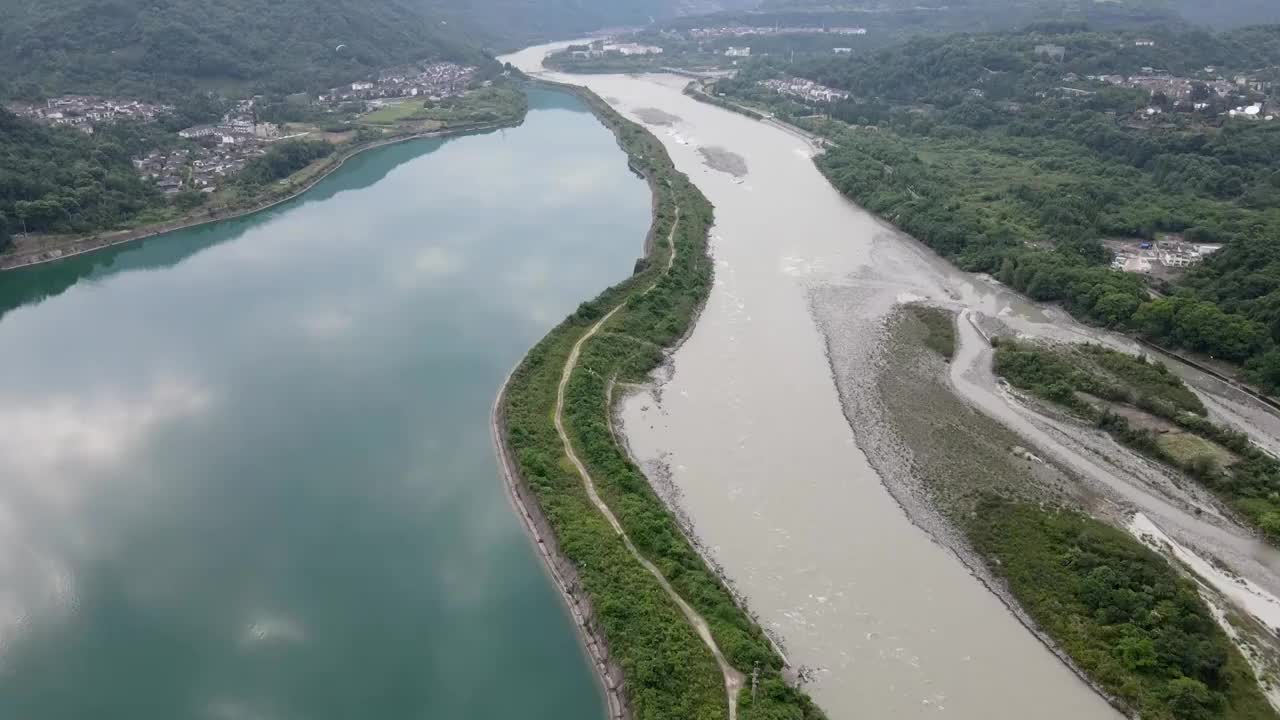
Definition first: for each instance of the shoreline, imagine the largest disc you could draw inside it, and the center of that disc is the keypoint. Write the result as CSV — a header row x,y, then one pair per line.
x,y
1268,403
713,613
912,494
102,242
607,672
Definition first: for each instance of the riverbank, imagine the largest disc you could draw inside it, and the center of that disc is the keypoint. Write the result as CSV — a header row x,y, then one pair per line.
x,y
1011,513
559,567
636,625
73,247
1229,374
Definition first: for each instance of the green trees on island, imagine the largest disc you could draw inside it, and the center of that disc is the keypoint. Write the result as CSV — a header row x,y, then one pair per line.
x,y
1121,612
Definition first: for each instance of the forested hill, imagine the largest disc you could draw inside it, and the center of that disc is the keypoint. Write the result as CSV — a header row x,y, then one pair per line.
x,y
996,14
158,48
1228,13
509,24
162,48
934,69
905,17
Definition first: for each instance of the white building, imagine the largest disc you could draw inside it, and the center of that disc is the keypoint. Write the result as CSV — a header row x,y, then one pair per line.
x,y
634,49
198,131
357,86
842,51
1177,254
738,52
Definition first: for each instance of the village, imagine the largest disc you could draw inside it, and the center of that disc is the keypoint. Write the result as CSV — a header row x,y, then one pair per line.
x,y
432,81
1244,96
806,90
82,112
736,31
216,152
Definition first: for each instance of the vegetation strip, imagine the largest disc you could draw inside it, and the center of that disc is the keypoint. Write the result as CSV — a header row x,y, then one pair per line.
x,y
1147,408
617,562
1120,611
732,678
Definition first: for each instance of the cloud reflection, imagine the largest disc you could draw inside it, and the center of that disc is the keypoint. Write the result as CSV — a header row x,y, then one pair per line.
x,y
53,452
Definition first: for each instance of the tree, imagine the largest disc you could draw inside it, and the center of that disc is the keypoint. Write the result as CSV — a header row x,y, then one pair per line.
x,y
1190,699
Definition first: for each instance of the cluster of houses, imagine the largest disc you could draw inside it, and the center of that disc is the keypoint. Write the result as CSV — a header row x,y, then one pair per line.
x,y
223,149
1242,97
82,112
1184,90
200,169
710,33
167,169
239,126
805,90
429,81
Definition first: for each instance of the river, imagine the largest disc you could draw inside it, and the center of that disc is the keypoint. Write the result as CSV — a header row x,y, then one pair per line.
x,y
246,470
762,433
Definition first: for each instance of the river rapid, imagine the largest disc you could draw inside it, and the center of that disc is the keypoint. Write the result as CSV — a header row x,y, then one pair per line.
x,y
763,435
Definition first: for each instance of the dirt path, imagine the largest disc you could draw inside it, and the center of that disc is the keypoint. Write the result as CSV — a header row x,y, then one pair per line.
x,y
733,680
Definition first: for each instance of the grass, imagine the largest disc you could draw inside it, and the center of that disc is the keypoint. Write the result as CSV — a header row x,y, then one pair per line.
x,y
1225,461
1187,449
669,673
394,113
940,328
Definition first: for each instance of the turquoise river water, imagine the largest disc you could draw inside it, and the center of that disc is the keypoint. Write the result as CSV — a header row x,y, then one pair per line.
x,y
246,470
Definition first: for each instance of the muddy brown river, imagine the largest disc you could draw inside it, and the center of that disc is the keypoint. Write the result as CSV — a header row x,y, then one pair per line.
x,y
758,437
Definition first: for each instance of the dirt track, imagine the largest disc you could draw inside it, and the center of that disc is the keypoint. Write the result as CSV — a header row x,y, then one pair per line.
x,y
733,679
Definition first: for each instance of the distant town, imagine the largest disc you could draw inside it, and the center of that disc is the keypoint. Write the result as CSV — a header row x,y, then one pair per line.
x,y
711,33
1246,96
431,82
1249,95
82,112
216,152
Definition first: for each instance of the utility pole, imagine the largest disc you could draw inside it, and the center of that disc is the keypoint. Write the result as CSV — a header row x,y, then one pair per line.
x,y
755,681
